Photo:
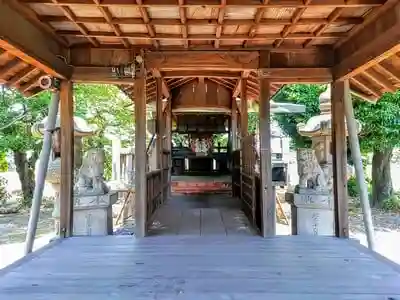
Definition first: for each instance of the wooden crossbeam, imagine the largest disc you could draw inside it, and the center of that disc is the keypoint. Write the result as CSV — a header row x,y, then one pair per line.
x,y
20,76
8,67
220,20
199,37
146,19
82,29
333,16
217,3
388,70
108,17
28,43
202,60
98,75
365,85
376,41
31,83
380,80
325,74
208,22
257,20
288,28
184,27
195,73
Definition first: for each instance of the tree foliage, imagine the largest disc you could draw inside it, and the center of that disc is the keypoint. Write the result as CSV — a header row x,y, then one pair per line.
x,y
306,94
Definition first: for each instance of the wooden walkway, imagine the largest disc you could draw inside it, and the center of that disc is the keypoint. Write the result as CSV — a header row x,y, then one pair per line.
x,y
201,268
201,215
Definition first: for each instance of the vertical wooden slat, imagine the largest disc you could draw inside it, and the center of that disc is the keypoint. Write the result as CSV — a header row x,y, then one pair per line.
x,y
267,190
160,133
234,124
168,133
243,128
140,153
67,158
339,158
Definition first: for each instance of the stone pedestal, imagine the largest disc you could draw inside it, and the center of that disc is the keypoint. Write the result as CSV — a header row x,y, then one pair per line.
x,y
314,214
93,214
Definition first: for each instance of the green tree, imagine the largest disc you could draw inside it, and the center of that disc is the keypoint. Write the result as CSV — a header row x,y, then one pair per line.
x,y
380,134
380,130
17,115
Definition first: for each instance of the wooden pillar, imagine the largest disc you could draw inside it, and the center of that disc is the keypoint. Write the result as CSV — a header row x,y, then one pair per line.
x,y
339,158
267,189
140,153
67,158
234,125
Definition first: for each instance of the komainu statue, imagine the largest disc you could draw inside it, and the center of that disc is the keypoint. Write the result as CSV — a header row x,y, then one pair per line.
x,y
90,177
311,175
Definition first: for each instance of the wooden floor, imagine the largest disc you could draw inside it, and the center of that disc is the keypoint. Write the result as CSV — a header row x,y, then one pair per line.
x,y
201,267
201,215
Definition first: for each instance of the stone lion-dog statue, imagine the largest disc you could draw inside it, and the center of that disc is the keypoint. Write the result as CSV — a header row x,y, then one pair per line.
x,y
311,175
90,177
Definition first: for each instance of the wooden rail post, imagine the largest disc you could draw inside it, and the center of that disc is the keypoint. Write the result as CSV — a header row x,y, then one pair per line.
x,y
339,159
67,158
140,153
168,133
160,133
267,190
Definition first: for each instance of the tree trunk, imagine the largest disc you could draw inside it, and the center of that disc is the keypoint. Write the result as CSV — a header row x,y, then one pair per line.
x,y
26,171
382,187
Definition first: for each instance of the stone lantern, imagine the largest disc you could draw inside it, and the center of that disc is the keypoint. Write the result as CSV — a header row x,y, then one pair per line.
x,y
314,196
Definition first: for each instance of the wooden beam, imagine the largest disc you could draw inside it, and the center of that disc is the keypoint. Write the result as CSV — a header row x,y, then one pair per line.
x,y
67,158
196,73
267,190
234,125
19,37
160,132
165,89
8,67
198,37
98,75
21,75
217,3
197,60
378,40
380,80
30,83
339,156
205,22
243,107
325,74
140,153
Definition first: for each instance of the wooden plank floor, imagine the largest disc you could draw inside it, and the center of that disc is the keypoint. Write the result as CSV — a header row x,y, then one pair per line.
x,y
201,215
201,268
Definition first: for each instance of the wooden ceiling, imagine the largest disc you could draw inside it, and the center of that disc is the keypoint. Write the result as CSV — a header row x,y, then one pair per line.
x,y
220,25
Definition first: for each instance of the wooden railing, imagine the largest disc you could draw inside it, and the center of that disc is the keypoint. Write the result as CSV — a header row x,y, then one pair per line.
x,y
158,186
153,192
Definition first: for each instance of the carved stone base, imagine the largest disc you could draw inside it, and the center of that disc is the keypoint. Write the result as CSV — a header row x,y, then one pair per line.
x,y
314,214
93,214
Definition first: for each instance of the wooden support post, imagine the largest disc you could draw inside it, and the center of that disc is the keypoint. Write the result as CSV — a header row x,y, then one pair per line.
x,y
67,158
160,133
267,190
339,158
234,125
243,129
357,159
140,153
